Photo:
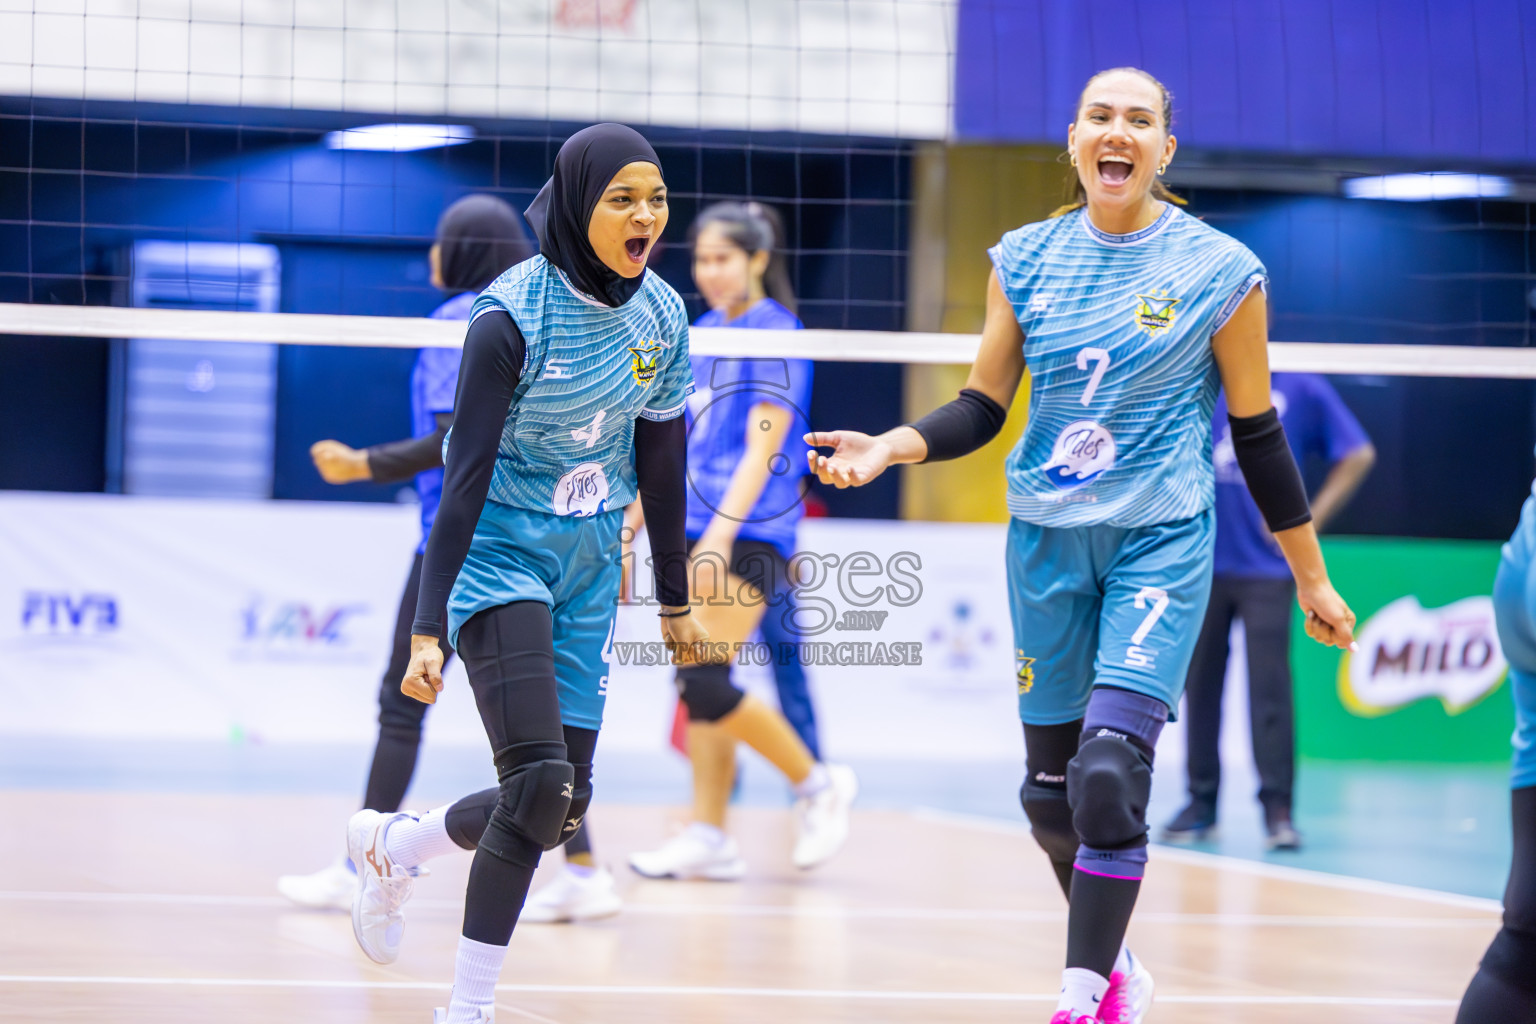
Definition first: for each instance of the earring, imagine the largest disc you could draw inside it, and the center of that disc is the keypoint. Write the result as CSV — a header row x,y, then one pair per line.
x,y
1072,158
1162,168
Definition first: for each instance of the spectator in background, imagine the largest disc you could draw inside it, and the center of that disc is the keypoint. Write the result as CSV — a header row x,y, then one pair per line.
x,y
1252,582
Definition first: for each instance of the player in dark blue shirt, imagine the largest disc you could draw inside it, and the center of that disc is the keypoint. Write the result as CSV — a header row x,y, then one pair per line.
x,y
745,484
1252,582
477,238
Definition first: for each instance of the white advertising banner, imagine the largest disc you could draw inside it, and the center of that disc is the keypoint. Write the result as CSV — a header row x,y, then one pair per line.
x,y
271,622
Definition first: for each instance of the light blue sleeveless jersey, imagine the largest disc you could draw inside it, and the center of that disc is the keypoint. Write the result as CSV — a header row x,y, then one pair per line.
x,y
1117,333
590,370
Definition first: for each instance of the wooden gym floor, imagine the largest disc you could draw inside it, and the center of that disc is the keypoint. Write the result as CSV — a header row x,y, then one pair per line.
x,y
160,909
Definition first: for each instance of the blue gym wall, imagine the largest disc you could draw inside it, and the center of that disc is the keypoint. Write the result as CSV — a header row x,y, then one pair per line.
x,y
1394,79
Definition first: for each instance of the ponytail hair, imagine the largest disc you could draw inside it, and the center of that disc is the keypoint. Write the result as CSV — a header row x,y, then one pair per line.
x,y
753,228
1076,195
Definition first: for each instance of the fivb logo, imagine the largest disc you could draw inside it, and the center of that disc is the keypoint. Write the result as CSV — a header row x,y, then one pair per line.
x,y
1409,652
60,613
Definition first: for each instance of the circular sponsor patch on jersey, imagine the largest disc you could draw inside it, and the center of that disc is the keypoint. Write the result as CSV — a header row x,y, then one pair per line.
x,y
581,492
1083,450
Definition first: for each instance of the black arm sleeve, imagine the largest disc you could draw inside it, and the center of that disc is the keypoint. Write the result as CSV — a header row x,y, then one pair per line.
x,y
1270,470
401,460
488,376
960,427
660,468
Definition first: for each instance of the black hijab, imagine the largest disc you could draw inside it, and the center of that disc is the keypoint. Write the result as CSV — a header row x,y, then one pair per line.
x,y
478,237
562,210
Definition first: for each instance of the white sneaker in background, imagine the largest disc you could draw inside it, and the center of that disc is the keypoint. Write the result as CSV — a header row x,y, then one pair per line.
x,y
821,820
327,889
690,855
440,1016
573,897
380,889
1130,992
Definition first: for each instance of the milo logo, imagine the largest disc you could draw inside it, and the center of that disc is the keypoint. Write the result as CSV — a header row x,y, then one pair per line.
x,y
1409,652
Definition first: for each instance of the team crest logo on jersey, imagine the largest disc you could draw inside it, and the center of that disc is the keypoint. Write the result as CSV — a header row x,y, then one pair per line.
x,y
644,362
1083,451
1154,313
1026,671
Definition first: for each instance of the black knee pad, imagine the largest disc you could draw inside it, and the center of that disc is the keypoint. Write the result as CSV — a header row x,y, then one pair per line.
x,y
1512,958
581,799
708,692
1108,783
1050,818
531,807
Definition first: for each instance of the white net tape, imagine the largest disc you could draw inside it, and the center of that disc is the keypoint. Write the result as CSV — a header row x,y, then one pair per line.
x,y
843,346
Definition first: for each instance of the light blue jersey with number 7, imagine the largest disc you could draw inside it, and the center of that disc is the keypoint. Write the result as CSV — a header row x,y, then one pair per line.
x,y
1117,333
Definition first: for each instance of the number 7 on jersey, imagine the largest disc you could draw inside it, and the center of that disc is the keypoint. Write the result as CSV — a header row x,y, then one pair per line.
x,y
1100,360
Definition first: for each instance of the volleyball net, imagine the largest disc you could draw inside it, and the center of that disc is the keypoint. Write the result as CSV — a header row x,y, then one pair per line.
x,y
215,217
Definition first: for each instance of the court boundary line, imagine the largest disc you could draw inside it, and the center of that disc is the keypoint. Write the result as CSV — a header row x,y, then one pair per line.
x,y
717,991
1243,866
769,910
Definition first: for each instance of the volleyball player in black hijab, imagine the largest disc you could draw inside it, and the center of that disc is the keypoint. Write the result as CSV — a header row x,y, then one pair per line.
x,y
477,238
570,407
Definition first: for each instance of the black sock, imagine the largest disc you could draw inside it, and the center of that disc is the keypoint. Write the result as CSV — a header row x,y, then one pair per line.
x,y
1492,998
496,892
579,843
1100,913
1064,872
394,761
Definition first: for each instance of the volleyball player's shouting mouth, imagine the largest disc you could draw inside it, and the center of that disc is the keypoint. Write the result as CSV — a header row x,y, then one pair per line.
x,y
1115,170
635,248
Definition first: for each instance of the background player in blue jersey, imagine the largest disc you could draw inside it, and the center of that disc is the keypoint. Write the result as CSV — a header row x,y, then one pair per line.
x,y
1252,582
477,238
1504,988
1129,314
569,407
744,504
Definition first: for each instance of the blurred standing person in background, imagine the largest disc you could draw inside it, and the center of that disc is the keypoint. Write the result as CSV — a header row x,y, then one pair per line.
x,y
1252,582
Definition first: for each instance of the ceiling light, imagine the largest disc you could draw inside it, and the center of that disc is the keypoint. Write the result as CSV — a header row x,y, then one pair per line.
x,y
400,138
1415,188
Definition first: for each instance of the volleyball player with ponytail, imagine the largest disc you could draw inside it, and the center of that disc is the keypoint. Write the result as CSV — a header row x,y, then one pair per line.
x,y
1130,315
743,509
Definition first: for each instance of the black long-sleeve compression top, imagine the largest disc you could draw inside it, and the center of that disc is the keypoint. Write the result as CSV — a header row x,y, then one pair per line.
x,y
494,349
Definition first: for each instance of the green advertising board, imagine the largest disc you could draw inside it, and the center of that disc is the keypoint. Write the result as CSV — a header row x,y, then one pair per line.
x,y
1429,680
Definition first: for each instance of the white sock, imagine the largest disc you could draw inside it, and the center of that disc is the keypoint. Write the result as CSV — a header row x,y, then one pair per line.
x,y
1081,992
475,972
1123,960
580,870
413,841
813,783
710,835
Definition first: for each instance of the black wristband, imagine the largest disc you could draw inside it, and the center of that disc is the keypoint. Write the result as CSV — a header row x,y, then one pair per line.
x,y
960,427
1269,468
675,615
